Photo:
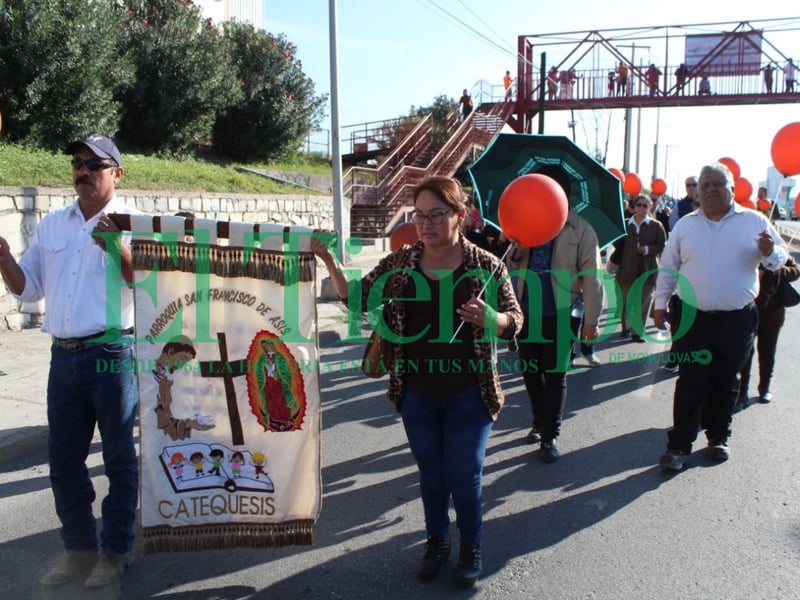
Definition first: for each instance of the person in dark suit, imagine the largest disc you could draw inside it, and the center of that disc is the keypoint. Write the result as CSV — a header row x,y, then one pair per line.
x,y
643,245
771,316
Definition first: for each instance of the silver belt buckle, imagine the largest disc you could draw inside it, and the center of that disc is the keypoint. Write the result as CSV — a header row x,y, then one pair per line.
x,y
70,345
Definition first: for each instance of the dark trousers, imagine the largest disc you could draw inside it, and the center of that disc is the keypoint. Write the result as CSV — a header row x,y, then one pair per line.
x,y
586,349
547,386
645,302
673,317
716,347
770,322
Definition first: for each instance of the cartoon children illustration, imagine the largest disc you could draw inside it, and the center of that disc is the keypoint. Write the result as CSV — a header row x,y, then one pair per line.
x,y
174,355
216,456
258,460
237,460
198,460
177,462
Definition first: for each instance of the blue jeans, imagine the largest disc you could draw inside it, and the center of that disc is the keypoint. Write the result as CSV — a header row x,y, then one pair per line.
x,y
448,438
82,390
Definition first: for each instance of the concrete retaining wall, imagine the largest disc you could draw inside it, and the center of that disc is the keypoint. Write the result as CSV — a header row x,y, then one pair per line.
x,y
21,208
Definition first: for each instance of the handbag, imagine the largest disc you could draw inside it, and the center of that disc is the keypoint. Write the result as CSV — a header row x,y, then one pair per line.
x,y
787,294
379,353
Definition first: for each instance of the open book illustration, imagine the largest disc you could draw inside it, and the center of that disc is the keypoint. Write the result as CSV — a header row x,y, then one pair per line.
x,y
199,466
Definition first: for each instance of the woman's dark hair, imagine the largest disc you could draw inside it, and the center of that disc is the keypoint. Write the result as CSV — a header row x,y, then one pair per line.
x,y
447,189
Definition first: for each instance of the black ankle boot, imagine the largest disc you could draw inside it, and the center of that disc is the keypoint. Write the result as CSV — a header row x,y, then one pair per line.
x,y
469,565
437,551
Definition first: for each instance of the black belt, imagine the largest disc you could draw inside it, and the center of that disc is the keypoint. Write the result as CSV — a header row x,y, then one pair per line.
x,y
82,343
747,306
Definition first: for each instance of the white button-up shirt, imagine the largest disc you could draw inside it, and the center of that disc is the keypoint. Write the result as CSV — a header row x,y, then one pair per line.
x,y
638,226
66,266
717,260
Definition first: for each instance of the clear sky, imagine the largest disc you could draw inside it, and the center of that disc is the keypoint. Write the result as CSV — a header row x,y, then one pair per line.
x,y
393,55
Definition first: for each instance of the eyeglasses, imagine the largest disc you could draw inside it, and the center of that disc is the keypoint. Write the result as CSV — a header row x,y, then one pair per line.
x,y
640,205
691,184
435,217
91,163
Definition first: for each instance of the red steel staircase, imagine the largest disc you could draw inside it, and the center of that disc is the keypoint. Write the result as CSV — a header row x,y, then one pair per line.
x,y
381,196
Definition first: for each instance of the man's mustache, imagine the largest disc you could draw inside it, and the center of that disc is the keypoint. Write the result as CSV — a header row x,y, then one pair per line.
x,y
83,179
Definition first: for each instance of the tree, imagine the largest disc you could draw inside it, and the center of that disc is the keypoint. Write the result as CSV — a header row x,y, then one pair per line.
x,y
60,69
278,105
442,106
183,77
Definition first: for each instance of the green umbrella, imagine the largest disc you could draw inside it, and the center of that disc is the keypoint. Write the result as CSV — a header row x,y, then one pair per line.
x,y
595,193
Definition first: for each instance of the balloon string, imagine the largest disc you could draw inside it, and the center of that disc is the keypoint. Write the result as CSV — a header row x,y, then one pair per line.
x,y
483,289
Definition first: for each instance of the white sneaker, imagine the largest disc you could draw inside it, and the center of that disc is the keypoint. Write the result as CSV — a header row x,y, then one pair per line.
x,y
593,360
69,566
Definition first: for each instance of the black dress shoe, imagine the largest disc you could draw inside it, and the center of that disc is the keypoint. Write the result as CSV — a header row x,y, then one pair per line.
x,y
548,452
636,338
469,565
437,551
533,436
625,333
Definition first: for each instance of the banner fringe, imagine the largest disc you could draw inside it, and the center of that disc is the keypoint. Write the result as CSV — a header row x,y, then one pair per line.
x,y
264,265
225,536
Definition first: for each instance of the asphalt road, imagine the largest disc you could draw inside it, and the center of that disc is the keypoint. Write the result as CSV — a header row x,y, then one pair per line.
x,y
602,523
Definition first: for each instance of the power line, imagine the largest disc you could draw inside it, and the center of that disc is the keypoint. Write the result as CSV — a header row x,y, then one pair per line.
x,y
447,15
485,24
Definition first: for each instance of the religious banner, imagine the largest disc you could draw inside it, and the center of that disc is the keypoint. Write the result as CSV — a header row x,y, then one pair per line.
x,y
229,400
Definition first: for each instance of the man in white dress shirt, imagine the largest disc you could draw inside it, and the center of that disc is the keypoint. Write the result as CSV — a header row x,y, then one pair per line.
x,y
91,378
716,252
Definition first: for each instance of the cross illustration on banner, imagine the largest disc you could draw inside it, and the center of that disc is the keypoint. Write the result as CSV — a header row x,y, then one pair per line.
x,y
227,370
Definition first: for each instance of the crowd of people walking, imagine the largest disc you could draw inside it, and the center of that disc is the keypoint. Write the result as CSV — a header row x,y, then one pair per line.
x,y
706,262
667,269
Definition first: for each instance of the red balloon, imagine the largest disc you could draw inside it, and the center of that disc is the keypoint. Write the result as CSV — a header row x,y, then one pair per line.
x,y
632,184
617,173
532,210
785,149
742,190
764,205
405,233
658,187
747,203
732,165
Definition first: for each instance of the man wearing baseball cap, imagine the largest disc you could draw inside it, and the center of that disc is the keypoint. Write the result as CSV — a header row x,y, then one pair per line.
x,y
66,264
100,145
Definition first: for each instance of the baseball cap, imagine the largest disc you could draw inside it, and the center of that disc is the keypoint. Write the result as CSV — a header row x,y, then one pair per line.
x,y
102,146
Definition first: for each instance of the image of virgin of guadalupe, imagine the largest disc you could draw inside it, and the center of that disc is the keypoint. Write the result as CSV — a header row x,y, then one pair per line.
x,y
277,407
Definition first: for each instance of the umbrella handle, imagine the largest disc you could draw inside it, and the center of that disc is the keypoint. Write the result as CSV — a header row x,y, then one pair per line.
x,y
483,289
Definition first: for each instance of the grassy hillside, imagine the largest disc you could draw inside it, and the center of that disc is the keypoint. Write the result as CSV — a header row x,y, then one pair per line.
x,y
26,167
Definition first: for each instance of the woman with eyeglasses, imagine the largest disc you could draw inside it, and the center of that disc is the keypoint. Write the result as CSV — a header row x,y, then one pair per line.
x,y
643,246
444,379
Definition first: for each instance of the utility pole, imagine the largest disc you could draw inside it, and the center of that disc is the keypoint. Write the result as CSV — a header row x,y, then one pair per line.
x,y
341,218
628,132
655,146
571,124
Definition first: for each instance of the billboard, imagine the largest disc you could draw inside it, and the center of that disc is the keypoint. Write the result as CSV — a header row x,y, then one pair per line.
x,y
729,53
